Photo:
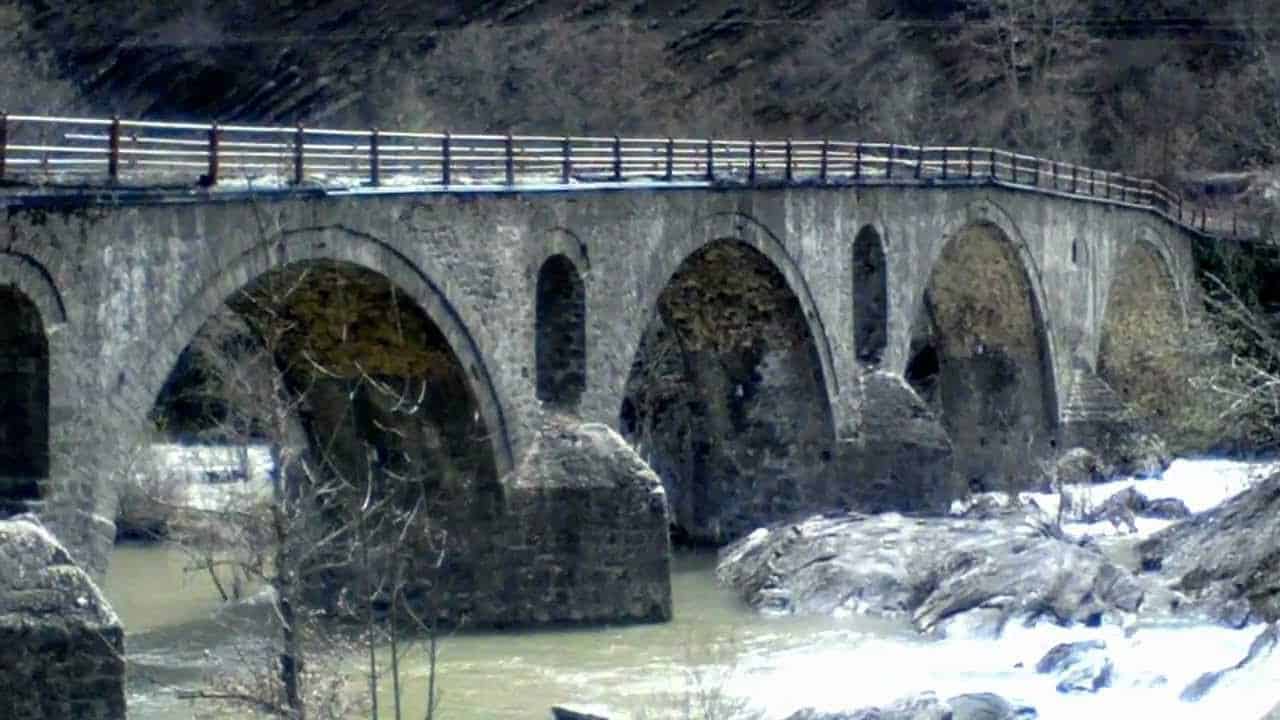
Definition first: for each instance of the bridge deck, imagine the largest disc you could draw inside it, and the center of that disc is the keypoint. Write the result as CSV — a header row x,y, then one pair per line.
x,y
47,160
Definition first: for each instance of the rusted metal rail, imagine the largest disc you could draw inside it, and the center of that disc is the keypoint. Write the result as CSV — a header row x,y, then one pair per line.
x,y
70,152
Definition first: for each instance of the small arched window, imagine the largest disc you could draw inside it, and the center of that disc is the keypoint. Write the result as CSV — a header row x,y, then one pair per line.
x,y
870,296
24,401
560,333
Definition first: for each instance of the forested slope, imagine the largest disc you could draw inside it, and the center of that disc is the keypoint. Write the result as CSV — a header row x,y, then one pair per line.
x,y
1168,88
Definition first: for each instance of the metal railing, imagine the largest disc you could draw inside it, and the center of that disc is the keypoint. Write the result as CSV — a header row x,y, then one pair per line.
x,y
52,152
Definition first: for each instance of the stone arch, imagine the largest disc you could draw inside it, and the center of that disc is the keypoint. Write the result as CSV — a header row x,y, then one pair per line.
x,y
1169,265
987,213
361,251
30,278
1140,352
982,354
743,228
32,312
870,296
560,345
726,396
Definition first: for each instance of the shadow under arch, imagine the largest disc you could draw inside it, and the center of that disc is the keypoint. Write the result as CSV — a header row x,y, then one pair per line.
x,y
560,344
1141,353
726,397
987,213
33,312
870,295
982,355
362,251
741,228
1146,236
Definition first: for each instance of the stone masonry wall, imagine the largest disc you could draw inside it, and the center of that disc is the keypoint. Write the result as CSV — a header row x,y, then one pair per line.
x,y
137,280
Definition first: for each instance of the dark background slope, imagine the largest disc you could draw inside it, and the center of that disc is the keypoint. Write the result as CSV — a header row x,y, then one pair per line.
x,y
1166,88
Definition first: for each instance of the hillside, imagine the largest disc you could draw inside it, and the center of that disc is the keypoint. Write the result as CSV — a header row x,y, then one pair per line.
x,y
1165,88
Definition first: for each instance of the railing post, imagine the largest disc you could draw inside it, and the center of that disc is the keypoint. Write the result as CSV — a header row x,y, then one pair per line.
x,y
1035,173
751,162
298,141
671,160
919,160
4,141
446,156
823,155
1075,173
508,146
970,159
789,173
944,162
993,164
113,150
1013,166
1093,189
888,166
711,160
566,161
375,160
1055,174
1106,186
857,161
211,177
617,159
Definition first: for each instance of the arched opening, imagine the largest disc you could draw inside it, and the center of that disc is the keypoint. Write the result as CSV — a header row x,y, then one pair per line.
x,y
24,402
870,296
560,341
1140,354
325,384
726,397
979,357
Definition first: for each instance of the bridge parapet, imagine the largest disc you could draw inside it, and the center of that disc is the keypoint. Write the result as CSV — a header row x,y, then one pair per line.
x,y
55,155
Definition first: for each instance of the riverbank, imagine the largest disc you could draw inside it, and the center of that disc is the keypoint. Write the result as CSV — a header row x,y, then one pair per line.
x,y
778,664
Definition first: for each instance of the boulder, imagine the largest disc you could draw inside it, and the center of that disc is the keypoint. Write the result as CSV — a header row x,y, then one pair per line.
x,y
988,706
1166,509
1125,505
61,644
928,570
1079,666
926,706
1261,649
1225,557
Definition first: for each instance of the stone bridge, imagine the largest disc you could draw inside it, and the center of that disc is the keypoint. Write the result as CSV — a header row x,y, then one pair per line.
x,y
766,350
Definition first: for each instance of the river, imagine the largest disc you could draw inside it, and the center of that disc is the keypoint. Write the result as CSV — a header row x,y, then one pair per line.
x,y
177,634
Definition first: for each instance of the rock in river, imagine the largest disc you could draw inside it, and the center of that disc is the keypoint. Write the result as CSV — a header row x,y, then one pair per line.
x,y
1079,666
926,706
1225,557
931,570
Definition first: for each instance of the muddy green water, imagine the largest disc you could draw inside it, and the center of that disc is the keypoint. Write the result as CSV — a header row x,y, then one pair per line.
x,y
179,632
